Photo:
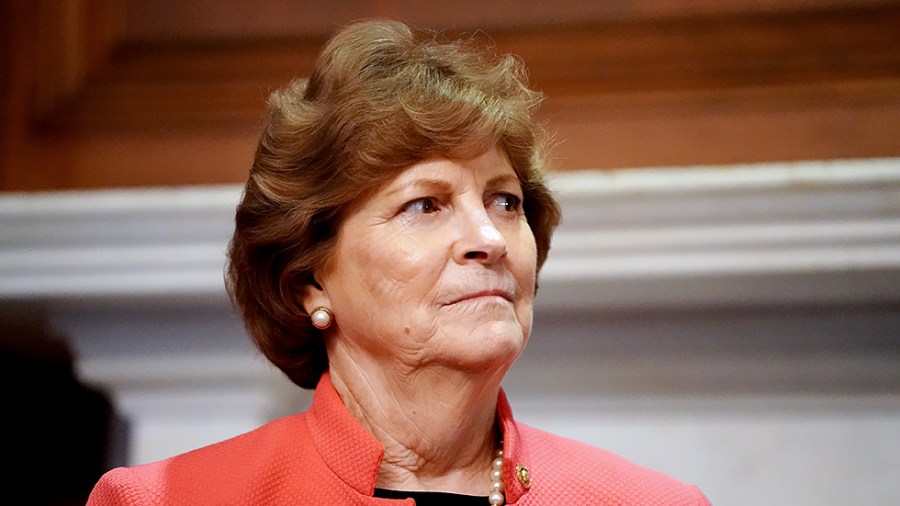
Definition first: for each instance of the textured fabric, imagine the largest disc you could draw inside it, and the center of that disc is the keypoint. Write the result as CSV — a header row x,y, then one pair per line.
x,y
324,457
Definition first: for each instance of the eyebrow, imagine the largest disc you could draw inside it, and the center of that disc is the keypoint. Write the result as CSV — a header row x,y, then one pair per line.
x,y
422,182
442,185
504,179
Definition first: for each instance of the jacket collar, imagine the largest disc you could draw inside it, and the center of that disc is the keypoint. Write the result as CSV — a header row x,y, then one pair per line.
x,y
354,455
347,448
515,451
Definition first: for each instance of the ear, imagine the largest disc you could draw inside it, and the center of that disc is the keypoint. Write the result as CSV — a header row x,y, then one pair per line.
x,y
314,296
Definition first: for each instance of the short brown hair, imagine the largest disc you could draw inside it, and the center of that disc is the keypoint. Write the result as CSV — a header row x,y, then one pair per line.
x,y
381,98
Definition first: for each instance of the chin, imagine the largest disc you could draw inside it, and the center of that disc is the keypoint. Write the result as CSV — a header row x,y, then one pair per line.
x,y
489,346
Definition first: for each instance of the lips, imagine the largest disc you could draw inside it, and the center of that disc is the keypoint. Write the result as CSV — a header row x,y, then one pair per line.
x,y
505,294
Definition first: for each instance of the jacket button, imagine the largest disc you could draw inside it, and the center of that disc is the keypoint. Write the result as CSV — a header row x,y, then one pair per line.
x,y
523,476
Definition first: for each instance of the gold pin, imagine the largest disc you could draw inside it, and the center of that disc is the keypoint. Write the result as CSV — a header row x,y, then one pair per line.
x,y
523,476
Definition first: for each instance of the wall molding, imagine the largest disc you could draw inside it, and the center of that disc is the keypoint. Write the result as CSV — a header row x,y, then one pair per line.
x,y
810,232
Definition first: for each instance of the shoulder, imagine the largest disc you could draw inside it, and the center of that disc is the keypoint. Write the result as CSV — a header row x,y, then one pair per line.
x,y
571,472
126,486
229,467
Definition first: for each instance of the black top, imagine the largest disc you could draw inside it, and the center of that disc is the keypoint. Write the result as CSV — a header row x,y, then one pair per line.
x,y
434,498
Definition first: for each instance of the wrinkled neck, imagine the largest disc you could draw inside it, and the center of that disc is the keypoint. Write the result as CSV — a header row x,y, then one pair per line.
x,y
437,425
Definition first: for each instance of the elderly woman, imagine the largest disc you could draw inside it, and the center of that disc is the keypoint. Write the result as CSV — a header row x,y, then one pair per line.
x,y
386,254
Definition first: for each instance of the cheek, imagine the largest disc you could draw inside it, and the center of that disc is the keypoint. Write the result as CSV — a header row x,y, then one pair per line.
x,y
527,278
525,262
392,267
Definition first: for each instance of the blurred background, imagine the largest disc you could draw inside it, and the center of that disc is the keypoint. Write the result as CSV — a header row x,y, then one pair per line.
x,y
722,301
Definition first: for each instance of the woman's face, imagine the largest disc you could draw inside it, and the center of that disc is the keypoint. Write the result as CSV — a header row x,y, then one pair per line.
x,y
435,268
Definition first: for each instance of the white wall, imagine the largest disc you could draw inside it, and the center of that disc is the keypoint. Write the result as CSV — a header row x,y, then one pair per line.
x,y
734,327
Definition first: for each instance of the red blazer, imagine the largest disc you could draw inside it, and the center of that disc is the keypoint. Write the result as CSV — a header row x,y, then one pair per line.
x,y
325,457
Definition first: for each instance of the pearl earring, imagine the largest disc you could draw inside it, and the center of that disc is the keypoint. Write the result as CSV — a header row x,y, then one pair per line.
x,y
321,318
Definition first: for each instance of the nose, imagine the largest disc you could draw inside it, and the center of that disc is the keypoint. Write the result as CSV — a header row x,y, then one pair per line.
x,y
479,239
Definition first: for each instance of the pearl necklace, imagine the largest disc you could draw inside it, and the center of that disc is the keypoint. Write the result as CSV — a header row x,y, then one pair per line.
x,y
497,498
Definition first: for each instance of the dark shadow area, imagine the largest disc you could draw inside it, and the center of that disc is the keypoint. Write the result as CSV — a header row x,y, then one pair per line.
x,y
61,434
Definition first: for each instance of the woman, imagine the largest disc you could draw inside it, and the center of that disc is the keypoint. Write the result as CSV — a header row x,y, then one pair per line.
x,y
386,252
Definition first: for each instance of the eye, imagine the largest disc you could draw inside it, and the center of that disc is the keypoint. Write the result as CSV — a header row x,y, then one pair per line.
x,y
425,205
506,202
